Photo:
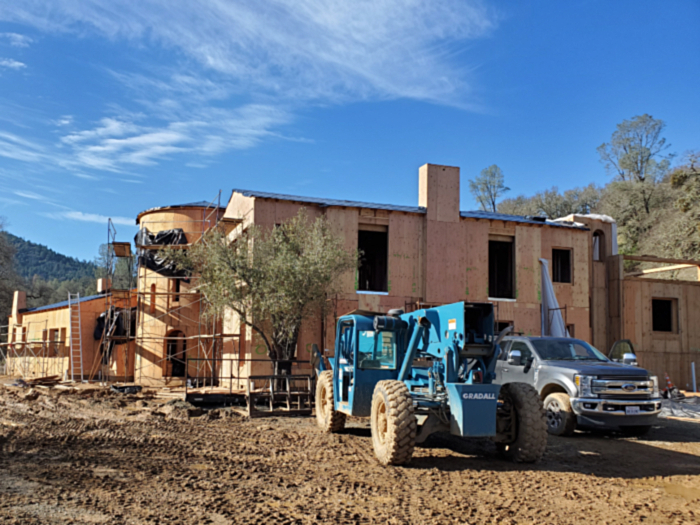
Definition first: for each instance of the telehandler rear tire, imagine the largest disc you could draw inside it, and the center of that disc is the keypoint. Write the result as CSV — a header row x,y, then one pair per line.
x,y
393,423
530,424
327,417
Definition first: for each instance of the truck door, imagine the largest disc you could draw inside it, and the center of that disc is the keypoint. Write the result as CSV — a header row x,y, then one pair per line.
x,y
521,373
502,362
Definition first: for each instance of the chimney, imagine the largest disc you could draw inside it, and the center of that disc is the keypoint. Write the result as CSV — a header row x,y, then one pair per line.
x,y
438,191
19,302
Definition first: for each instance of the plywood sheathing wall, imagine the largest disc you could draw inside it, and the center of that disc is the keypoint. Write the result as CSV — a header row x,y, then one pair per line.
x,y
598,280
59,318
405,264
405,275
476,264
663,352
438,257
444,246
575,296
526,315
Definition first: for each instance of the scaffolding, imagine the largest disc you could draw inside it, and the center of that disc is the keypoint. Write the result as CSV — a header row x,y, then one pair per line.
x,y
119,312
31,350
176,344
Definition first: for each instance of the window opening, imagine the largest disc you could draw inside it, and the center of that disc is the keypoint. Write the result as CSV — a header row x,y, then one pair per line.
x,y
177,353
54,341
561,266
374,248
501,269
502,325
176,289
663,315
152,306
598,246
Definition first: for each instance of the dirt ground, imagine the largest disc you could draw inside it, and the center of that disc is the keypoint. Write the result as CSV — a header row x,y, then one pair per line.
x,y
97,457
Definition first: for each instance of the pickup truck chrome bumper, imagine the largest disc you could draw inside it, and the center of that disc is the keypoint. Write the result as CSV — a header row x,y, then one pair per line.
x,y
614,407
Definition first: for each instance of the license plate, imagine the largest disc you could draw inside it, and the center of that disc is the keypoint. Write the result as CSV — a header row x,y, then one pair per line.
x,y
632,411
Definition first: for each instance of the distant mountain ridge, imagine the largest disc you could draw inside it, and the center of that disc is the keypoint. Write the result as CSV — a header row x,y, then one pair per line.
x,y
36,259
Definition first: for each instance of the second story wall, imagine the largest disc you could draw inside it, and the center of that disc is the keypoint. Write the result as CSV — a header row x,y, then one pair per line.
x,y
442,256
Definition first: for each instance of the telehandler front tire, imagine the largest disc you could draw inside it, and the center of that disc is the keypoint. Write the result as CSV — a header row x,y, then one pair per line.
x,y
529,433
393,423
327,417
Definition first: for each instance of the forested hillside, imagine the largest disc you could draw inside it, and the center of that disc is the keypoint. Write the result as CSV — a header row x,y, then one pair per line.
x,y
33,259
44,274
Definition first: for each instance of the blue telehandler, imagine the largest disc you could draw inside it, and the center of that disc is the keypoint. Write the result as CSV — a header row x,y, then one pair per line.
x,y
427,371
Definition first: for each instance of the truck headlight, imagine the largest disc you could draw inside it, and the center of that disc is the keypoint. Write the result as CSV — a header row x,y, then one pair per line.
x,y
583,383
655,392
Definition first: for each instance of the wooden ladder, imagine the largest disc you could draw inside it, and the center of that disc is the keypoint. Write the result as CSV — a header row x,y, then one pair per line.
x,y
76,347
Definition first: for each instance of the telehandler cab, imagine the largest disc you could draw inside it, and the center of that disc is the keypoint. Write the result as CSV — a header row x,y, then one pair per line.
x,y
427,371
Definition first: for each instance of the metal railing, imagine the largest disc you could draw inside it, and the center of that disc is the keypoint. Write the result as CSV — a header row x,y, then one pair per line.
x,y
230,373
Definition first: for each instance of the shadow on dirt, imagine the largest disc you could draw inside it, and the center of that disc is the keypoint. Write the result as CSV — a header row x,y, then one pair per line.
x,y
358,431
602,454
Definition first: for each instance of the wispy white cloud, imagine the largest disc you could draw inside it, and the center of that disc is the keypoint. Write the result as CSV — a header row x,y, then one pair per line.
x,y
9,63
115,143
90,217
280,55
65,120
16,40
18,148
12,202
108,127
311,49
30,195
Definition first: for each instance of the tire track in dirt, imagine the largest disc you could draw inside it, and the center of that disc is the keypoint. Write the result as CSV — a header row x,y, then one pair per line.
x,y
80,459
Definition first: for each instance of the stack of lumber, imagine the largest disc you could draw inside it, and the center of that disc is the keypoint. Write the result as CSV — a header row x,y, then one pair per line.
x,y
43,381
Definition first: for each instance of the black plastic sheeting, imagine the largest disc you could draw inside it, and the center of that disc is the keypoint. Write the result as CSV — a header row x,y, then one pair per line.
x,y
152,260
126,389
115,320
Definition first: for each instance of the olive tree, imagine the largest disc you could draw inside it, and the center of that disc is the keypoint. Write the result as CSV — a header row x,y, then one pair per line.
x,y
273,279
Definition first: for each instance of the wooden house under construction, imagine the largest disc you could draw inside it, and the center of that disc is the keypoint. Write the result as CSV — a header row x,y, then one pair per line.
x,y
429,254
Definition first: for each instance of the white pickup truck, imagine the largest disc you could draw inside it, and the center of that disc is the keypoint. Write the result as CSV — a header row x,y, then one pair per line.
x,y
579,386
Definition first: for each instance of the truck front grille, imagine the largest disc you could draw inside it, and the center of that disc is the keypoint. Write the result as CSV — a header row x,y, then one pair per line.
x,y
623,387
627,396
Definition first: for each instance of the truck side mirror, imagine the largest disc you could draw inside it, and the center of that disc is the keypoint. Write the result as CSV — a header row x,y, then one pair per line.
x,y
629,359
514,357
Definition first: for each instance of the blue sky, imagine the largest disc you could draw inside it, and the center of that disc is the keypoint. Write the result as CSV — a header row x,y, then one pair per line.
x,y
110,108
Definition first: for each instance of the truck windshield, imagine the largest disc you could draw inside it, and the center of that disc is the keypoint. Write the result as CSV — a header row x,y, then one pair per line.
x,y
567,350
377,350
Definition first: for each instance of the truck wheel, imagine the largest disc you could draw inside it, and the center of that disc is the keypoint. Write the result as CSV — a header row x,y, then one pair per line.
x,y
393,423
528,427
561,420
327,417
